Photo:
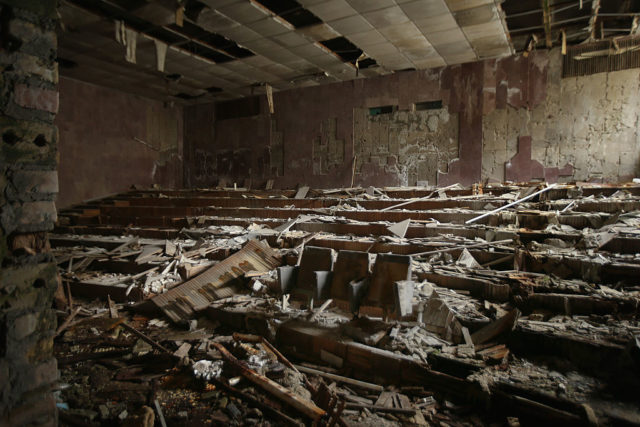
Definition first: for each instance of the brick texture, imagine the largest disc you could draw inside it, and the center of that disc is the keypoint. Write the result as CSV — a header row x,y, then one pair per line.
x,y
28,187
36,98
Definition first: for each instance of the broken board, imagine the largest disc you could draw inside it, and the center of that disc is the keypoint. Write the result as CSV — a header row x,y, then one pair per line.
x,y
181,302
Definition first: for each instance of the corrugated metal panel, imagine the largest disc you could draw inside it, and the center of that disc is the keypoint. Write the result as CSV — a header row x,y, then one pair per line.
x,y
219,281
616,54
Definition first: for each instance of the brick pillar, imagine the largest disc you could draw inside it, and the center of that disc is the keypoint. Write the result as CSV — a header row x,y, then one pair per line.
x,y
28,185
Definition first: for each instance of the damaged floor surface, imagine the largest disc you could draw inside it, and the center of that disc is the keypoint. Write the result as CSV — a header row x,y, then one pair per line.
x,y
503,305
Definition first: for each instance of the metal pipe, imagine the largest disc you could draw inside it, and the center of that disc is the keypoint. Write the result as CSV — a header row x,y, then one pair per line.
x,y
553,24
530,196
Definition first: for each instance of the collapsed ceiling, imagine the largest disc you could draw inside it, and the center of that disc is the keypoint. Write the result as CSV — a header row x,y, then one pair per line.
x,y
536,23
209,50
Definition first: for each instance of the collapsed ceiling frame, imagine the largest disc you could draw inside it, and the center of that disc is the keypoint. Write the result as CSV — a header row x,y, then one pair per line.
x,y
238,45
190,39
549,23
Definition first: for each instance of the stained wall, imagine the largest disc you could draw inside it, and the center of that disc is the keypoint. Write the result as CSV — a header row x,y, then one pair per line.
x,y
111,140
585,128
510,119
326,136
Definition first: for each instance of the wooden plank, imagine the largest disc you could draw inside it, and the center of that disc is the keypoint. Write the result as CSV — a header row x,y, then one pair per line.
x,y
181,302
306,407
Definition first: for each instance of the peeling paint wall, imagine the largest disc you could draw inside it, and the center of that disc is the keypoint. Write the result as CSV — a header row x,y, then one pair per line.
x,y
100,144
414,145
317,132
583,127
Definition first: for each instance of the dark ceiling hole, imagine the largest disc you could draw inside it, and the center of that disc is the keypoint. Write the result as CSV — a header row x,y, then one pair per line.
x,y
39,283
40,140
66,63
207,52
192,9
366,63
292,12
214,40
280,6
10,137
346,50
182,36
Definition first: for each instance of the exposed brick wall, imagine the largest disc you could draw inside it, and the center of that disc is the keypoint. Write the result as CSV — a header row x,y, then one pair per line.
x,y
28,186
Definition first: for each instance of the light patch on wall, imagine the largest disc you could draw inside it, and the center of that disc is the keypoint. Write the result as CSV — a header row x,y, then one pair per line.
x,y
412,145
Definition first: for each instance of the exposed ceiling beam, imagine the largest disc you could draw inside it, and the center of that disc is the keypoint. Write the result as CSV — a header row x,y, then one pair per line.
x,y
595,8
554,24
546,20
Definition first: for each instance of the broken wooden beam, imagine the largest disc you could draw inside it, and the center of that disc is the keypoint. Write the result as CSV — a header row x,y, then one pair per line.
x,y
524,199
498,327
304,406
341,379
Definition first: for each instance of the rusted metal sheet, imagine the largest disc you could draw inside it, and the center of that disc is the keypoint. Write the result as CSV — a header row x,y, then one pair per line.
x,y
181,302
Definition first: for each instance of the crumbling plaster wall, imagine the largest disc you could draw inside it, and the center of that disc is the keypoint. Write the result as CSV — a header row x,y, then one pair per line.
x,y
580,128
28,186
589,122
414,145
317,132
103,142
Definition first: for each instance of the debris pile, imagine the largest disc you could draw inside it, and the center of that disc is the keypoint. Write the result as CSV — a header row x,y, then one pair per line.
x,y
451,306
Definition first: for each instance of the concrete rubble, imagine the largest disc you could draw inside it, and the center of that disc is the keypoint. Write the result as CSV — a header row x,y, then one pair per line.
x,y
351,306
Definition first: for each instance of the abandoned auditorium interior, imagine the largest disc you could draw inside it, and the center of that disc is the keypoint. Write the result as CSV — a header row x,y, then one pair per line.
x,y
319,213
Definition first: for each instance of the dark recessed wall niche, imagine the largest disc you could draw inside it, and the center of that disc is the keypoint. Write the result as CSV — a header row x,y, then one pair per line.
x,y
428,105
366,63
235,109
342,47
215,40
384,109
291,11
